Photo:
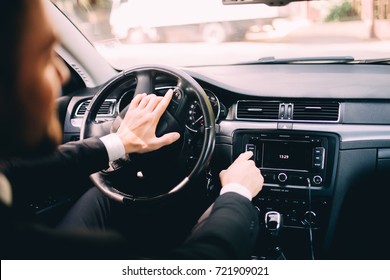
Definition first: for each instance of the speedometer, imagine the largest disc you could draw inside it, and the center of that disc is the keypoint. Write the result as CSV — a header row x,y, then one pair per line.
x,y
195,116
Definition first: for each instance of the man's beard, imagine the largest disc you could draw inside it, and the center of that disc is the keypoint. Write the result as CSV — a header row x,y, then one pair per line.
x,y
48,142
27,133
22,146
46,146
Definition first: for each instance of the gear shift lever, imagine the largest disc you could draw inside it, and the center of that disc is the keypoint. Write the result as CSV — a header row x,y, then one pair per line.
x,y
273,222
273,225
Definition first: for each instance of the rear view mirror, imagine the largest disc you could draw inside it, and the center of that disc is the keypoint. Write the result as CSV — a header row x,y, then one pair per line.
x,y
267,2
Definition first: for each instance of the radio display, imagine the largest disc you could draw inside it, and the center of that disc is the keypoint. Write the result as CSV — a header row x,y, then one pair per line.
x,y
286,155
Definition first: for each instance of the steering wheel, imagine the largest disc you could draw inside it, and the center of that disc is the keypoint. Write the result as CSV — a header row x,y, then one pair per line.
x,y
172,120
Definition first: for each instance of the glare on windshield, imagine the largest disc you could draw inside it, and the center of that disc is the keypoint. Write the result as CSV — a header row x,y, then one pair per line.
x,y
206,32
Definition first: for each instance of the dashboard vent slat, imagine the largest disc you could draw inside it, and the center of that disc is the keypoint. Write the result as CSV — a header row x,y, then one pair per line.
x,y
106,109
266,110
82,108
313,111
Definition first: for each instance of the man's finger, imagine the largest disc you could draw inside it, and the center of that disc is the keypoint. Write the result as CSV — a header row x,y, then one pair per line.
x,y
167,139
162,106
145,101
244,156
153,103
136,100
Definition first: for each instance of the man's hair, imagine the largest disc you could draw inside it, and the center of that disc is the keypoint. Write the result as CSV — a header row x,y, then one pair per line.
x,y
12,15
11,27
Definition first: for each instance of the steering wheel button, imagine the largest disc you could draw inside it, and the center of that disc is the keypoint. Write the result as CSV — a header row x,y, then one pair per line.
x,y
176,94
173,106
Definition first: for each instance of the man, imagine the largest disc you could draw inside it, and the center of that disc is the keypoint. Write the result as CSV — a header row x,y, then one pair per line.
x,y
31,77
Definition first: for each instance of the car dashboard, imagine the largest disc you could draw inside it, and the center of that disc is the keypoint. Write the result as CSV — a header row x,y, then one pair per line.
x,y
314,129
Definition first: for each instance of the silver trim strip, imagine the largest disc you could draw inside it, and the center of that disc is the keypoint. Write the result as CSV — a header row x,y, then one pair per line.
x,y
347,132
180,185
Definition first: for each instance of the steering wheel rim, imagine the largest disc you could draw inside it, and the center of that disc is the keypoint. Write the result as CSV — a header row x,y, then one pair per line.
x,y
144,75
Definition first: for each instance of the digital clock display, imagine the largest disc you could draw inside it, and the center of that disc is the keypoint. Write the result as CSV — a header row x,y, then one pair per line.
x,y
287,155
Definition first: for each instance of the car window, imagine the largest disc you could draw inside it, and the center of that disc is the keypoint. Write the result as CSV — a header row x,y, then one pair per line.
x,y
206,32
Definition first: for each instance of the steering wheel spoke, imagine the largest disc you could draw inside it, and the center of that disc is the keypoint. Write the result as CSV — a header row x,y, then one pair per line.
x,y
96,128
145,82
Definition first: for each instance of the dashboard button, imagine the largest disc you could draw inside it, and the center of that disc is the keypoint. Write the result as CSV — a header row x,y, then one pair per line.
x,y
285,125
268,177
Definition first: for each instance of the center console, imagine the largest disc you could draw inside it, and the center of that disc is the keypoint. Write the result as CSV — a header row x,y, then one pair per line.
x,y
298,170
289,159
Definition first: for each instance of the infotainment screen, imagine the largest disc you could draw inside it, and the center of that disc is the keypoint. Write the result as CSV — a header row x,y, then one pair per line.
x,y
287,155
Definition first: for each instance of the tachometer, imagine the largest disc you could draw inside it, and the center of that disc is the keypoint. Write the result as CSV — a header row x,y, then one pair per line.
x,y
195,117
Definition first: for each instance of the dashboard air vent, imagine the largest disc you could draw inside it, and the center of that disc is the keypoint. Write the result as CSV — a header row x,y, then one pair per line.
x,y
316,111
106,109
266,110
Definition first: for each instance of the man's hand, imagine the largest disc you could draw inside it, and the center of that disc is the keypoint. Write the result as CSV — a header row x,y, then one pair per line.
x,y
138,129
244,172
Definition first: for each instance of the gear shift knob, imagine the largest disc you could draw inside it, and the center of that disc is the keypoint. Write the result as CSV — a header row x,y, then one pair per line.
x,y
273,225
273,222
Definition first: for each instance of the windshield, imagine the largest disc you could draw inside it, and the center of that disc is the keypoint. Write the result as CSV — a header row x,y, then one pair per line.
x,y
206,32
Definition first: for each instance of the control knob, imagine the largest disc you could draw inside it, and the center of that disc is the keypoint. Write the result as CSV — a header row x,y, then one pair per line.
x,y
282,177
309,218
317,179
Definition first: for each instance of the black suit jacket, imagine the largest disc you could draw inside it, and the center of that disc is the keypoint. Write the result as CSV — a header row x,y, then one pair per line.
x,y
228,232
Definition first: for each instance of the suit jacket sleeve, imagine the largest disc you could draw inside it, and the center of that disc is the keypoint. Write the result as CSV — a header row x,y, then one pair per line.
x,y
229,232
67,167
